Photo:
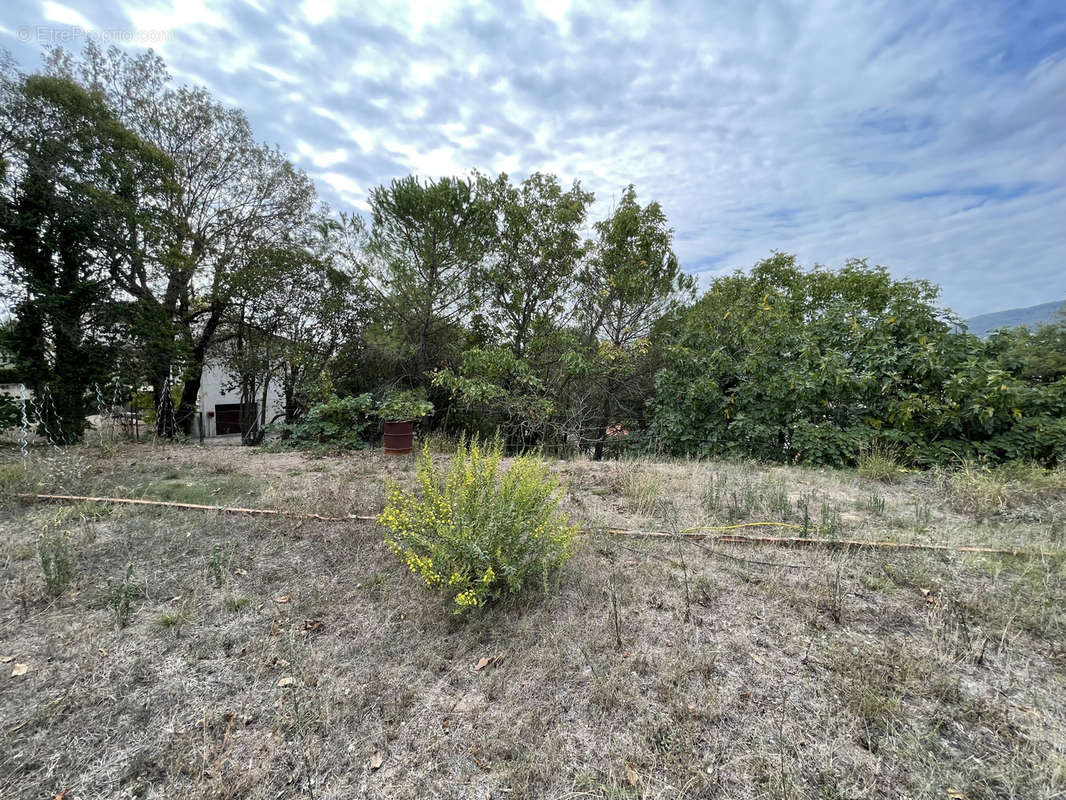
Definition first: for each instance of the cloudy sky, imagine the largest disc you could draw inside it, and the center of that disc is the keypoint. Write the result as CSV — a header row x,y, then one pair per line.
x,y
926,136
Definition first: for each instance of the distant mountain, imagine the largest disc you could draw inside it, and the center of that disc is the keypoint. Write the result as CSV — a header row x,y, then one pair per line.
x,y
1013,317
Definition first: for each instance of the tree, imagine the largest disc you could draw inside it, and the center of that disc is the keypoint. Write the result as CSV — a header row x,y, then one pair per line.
x,y
426,240
292,311
817,366
529,274
631,280
69,171
232,198
527,282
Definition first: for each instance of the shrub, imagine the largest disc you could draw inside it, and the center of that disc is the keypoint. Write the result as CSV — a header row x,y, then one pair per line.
x,y
475,534
339,422
403,406
57,562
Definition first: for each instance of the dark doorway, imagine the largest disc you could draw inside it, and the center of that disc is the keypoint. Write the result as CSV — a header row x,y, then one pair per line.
x,y
228,417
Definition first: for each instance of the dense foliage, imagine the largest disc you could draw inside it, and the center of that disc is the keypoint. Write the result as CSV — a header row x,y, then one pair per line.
x,y
819,366
335,423
144,232
478,534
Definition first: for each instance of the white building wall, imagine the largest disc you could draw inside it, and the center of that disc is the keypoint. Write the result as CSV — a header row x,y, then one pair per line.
x,y
215,379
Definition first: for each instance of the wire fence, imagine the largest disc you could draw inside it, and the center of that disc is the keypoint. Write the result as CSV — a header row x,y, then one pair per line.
x,y
113,417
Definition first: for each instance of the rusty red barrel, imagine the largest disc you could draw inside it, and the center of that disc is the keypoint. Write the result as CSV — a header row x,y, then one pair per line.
x,y
399,437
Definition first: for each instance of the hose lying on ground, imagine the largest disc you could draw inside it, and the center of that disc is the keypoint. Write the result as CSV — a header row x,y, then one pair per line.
x,y
708,532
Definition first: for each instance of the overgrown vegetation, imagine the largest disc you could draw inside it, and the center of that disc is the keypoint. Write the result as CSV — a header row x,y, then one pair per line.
x,y
337,422
494,303
299,656
474,534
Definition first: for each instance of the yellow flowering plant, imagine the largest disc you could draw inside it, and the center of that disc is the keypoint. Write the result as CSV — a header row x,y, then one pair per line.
x,y
477,533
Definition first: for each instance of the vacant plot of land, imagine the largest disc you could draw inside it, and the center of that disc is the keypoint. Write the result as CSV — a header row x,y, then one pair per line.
x,y
172,653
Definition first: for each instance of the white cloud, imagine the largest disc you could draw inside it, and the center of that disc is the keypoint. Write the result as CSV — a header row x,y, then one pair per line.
x,y
924,136
55,12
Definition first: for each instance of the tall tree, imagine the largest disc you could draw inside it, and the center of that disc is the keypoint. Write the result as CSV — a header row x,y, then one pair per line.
x,y
630,281
528,277
69,171
426,239
295,306
233,197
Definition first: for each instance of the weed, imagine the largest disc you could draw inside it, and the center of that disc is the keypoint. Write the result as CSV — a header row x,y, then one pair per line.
x,y
714,496
982,490
642,489
15,479
221,562
236,603
923,516
833,597
830,524
875,504
57,562
174,618
804,506
120,596
616,616
879,464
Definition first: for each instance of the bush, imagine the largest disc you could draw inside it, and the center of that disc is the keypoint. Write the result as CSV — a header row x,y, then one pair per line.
x,y
404,406
477,535
339,422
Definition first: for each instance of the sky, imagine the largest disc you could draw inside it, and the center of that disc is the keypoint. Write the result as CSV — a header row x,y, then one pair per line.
x,y
929,137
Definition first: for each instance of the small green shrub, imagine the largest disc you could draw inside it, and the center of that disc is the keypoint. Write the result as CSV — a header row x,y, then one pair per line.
x,y
57,562
475,534
120,596
221,562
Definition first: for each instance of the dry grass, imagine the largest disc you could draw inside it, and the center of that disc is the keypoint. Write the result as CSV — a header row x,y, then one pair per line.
x,y
269,657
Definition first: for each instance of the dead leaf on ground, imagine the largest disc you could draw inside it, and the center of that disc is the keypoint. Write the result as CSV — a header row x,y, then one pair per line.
x,y
19,669
240,571
62,793
6,659
757,658
287,680
483,662
377,760
313,625
283,598
955,794
632,778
